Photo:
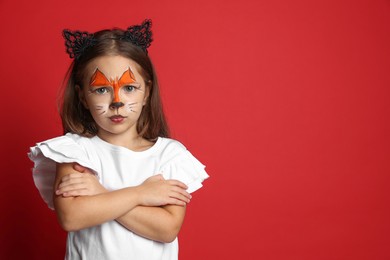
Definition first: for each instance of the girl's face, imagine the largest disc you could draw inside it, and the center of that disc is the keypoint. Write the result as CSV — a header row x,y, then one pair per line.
x,y
115,93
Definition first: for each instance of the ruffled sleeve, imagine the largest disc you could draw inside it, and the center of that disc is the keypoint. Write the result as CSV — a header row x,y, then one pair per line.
x,y
45,155
185,168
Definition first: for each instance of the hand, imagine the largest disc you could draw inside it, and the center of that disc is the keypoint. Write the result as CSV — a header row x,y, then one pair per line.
x,y
156,191
81,183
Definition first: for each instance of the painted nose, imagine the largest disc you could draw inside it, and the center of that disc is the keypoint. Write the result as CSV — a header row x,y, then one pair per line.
x,y
116,105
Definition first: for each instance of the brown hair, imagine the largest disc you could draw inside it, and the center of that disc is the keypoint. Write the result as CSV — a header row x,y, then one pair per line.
x,y
77,119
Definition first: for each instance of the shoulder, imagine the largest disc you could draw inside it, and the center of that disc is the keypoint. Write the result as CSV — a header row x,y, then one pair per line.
x,y
169,148
67,139
179,164
78,139
171,145
68,148
64,149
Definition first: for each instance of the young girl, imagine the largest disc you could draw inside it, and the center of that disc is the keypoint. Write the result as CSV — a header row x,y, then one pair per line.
x,y
118,184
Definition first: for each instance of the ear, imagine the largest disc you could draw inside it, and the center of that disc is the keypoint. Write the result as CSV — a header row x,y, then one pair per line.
x,y
80,92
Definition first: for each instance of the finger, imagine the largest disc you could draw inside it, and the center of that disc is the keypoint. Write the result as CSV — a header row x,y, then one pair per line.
x,y
180,196
173,201
182,192
75,193
72,176
158,177
178,183
79,168
70,187
76,178
82,169
72,181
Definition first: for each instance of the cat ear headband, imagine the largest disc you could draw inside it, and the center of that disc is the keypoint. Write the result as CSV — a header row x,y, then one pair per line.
x,y
77,42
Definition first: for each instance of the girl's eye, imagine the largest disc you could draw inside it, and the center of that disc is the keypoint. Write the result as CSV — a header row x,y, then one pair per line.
x,y
101,90
129,88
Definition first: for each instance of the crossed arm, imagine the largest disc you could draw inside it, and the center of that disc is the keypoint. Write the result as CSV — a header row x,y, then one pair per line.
x,y
155,209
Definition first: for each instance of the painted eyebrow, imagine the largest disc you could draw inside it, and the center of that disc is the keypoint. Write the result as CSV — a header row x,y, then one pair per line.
x,y
98,79
135,84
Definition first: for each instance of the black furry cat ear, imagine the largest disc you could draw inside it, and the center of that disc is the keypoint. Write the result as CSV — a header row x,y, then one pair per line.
x,y
140,35
77,42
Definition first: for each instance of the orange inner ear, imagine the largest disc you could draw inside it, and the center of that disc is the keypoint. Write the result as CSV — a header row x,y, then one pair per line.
x,y
127,78
98,79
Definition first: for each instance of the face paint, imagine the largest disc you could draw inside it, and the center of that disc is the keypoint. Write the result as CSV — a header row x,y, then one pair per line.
x,y
98,79
109,79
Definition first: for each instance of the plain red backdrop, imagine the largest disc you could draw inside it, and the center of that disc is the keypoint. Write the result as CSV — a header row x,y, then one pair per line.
x,y
286,102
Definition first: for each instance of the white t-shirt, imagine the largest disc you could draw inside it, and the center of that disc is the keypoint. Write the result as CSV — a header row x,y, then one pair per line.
x,y
116,167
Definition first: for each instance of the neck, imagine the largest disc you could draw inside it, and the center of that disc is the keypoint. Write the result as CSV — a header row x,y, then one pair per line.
x,y
128,140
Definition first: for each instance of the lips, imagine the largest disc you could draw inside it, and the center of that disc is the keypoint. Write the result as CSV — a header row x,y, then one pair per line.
x,y
117,118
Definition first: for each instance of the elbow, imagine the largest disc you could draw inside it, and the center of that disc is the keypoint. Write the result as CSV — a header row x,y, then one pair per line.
x,y
69,217
67,224
67,220
170,233
69,227
172,224
167,238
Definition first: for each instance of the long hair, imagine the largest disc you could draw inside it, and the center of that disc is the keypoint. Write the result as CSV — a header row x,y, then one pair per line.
x,y
77,119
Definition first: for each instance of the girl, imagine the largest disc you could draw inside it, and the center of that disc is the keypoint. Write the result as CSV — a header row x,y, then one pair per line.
x,y
118,184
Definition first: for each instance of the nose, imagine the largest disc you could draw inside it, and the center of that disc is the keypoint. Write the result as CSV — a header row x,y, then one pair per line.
x,y
116,105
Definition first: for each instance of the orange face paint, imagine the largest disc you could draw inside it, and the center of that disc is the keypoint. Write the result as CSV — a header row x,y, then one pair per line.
x,y
98,79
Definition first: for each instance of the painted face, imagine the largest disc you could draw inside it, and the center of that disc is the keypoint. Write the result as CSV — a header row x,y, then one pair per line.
x,y
118,88
115,94
99,80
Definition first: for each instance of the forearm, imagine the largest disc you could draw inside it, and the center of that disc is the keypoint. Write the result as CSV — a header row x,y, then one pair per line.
x,y
75,213
81,202
156,223
79,212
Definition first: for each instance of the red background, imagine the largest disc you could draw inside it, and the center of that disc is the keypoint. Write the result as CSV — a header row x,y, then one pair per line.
x,y
286,102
